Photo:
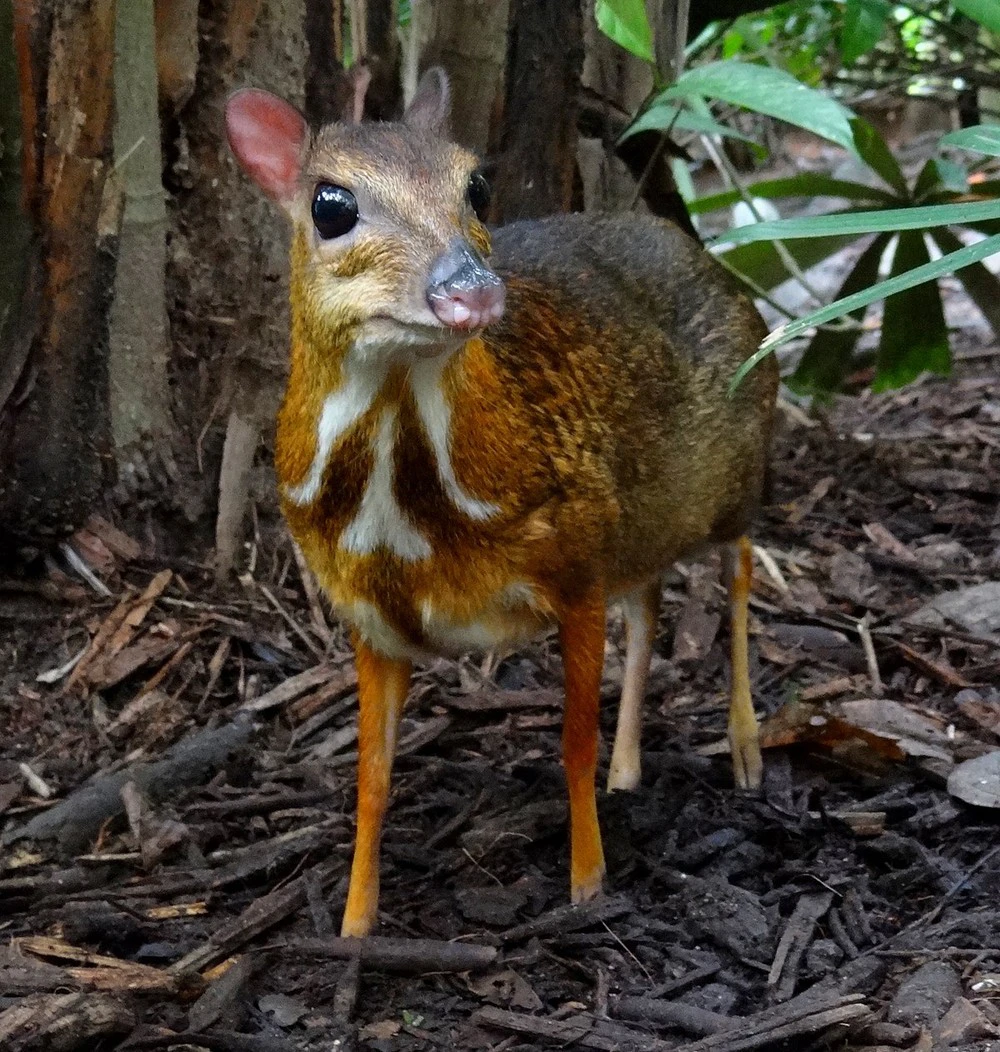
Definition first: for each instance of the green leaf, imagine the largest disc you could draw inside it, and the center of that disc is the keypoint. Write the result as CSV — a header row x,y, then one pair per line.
x,y
914,334
915,218
982,138
872,149
982,287
762,265
807,184
660,118
954,261
954,178
769,91
829,357
626,23
985,12
864,24
928,180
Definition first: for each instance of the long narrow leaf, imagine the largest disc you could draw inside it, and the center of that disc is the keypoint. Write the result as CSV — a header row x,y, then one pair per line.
x,y
914,336
763,266
982,287
766,90
827,360
808,184
917,218
983,138
928,272
872,149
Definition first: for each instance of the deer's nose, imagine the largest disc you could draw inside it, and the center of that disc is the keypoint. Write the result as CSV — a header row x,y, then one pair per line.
x,y
462,291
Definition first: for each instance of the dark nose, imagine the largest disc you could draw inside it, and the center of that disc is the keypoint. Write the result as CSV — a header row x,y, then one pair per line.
x,y
462,290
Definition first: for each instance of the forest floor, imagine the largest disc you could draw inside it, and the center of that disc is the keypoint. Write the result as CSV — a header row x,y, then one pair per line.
x,y
178,804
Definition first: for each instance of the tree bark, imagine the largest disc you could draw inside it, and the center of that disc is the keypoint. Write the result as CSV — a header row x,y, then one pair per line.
x,y
229,246
55,428
537,165
468,38
140,392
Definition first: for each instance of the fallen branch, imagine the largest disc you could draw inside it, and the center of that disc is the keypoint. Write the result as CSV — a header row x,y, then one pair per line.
x,y
565,919
62,1022
260,915
74,822
579,1031
407,956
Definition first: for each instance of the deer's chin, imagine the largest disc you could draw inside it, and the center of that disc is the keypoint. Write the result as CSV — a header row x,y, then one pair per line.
x,y
384,336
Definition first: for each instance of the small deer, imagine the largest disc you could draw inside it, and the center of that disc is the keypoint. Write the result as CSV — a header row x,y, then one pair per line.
x,y
475,446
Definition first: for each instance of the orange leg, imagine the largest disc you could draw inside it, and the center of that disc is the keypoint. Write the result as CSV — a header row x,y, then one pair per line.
x,y
382,687
744,736
581,636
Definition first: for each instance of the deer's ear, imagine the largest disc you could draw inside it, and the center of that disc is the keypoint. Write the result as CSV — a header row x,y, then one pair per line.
x,y
431,104
268,136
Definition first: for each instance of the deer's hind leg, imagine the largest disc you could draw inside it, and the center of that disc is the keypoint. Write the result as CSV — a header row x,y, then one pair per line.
x,y
640,608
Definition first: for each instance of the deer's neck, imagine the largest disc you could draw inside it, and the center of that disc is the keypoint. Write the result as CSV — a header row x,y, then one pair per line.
x,y
331,435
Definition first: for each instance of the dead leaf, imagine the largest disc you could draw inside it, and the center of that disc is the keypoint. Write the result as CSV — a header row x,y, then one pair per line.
x,y
696,631
851,577
799,509
888,542
985,713
119,543
977,781
940,670
380,1031
284,1010
915,734
975,609
506,987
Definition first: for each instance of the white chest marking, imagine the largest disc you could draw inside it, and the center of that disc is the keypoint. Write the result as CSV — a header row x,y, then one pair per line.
x,y
380,521
435,416
341,410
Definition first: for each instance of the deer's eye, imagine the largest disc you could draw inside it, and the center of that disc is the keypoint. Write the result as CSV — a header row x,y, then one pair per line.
x,y
479,194
334,210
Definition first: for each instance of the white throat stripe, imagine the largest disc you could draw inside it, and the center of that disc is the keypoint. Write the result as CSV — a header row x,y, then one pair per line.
x,y
380,521
435,416
341,410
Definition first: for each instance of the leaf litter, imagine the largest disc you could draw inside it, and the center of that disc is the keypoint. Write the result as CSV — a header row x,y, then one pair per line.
x,y
198,748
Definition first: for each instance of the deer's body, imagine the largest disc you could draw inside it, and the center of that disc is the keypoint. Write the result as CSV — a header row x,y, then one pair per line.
x,y
468,500
458,479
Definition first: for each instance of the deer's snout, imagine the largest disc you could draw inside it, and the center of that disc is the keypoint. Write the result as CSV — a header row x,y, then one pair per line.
x,y
462,291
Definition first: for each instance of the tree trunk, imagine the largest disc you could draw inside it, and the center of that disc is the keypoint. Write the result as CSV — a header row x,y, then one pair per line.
x,y
55,427
537,165
140,392
381,54
229,246
469,39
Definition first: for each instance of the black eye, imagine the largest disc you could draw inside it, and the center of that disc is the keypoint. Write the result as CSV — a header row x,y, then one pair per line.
x,y
479,194
334,210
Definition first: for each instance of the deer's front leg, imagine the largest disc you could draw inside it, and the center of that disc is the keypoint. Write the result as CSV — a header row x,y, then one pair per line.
x,y
581,637
382,686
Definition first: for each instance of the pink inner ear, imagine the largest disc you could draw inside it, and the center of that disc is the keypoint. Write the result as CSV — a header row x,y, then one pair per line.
x,y
267,136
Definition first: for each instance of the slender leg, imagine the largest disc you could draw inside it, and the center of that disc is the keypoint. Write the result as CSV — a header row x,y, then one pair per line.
x,y
640,608
581,636
382,686
744,737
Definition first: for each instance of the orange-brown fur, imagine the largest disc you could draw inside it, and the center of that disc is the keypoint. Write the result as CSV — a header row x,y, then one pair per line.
x,y
591,443
610,452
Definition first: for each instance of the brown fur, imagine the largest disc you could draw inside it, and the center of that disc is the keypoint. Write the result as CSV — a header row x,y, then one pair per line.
x,y
595,414
594,417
